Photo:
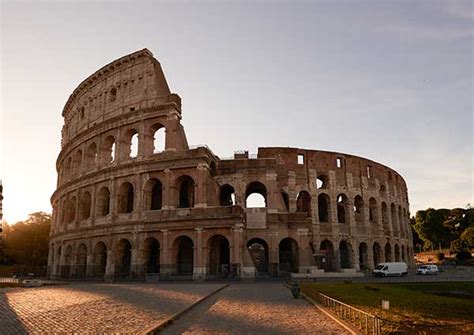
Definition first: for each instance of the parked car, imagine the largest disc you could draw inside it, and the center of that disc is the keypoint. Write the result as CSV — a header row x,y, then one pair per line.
x,y
427,269
390,269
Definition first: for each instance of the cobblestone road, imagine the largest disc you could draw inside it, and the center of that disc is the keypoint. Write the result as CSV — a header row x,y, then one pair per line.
x,y
94,308
260,308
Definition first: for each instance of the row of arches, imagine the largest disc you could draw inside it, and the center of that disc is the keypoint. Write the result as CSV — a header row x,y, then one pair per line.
x,y
108,149
125,199
347,259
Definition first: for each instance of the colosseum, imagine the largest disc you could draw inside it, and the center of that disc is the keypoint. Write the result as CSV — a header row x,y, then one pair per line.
x,y
135,201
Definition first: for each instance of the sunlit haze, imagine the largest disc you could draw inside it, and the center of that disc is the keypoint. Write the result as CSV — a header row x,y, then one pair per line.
x,y
388,80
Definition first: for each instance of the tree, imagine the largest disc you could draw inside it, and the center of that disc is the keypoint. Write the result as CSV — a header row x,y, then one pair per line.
x,y
26,242
429,225
468,237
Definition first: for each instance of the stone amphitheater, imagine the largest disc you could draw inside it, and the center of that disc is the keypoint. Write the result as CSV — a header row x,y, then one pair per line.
x,y
135,201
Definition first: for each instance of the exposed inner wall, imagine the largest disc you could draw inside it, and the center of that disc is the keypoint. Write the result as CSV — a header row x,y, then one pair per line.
x,y
134,200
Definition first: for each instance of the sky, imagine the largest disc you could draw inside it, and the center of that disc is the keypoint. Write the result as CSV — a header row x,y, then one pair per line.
x,y
391,81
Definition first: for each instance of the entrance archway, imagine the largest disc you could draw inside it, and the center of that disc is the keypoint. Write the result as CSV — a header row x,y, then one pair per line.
x,y
328,263
345,255
153,255
258,250
99,260
81,261
184,255
219,256
123,259
288,256
377,253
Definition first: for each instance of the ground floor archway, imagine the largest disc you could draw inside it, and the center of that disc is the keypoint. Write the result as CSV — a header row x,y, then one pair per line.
x,y
258,250
288,256
219,256
184,255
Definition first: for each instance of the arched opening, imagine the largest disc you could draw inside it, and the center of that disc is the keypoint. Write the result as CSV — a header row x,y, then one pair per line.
x,y
404,259
382,190
108,150
219,256
85,206
186,192
125,198
154,194
152,247
288,256
328,261
123,259
159,138
363,256
81,261
66,269
359,209
373,213
103,202
99,260
133,135
323,207
303,202
71,212
256,195
345,255
342,208
91,155
397,253
386,229
388,252
394,219
77,162
322,182
227,195
258,250
377,254
184,255
286,200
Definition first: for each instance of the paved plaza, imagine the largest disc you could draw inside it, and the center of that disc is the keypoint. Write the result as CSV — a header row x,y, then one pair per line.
x,y
256,308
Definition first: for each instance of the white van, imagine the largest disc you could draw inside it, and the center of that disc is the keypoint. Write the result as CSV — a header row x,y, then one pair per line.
x,y
390,269
427,269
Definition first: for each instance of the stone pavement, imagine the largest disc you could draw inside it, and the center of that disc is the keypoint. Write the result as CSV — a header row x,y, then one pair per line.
x,y
256,308
94,308
88,308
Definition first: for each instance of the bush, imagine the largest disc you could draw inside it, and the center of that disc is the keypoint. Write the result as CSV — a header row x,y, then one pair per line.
x,y
463,255
440,256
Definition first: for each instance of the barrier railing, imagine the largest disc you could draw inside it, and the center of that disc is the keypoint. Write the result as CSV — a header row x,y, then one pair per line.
x,y
365,322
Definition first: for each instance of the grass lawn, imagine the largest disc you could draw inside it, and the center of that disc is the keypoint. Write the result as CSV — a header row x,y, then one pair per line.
x,y
414,307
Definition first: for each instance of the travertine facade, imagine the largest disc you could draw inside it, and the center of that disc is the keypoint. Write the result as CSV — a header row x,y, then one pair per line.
x,y
128,204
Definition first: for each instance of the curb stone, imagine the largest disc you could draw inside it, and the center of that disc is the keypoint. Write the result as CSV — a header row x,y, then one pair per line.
x,y
157,327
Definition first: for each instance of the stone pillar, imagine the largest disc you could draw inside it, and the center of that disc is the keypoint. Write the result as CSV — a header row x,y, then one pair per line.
x,y
291,191
166,267
370,255
199,271
355,254
203,177
110,267
237,250
168,191
138,264
273,254
273,192
90,264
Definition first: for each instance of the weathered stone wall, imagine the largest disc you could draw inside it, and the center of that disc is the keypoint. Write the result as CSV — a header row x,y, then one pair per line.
x,y
120,213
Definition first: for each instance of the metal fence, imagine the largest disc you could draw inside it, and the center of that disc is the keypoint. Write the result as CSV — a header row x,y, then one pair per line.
x,y
365,322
